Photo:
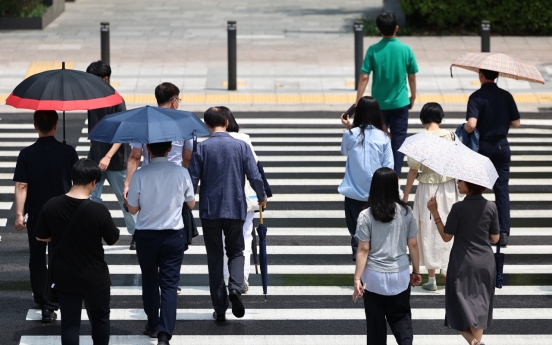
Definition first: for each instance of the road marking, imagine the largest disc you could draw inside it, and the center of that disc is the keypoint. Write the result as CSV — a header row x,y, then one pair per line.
x,y
6,205
3,221
307,314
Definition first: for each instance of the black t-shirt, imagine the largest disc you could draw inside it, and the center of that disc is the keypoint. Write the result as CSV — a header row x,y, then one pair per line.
x,y
98,150
79,264
46,168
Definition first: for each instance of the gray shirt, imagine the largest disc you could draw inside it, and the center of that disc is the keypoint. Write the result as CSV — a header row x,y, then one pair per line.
x,y
388,241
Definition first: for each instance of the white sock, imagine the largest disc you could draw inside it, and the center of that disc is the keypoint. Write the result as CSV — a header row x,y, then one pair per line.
x,y
431,280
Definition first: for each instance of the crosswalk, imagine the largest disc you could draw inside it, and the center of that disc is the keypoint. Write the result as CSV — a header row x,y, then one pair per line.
x,y
310,271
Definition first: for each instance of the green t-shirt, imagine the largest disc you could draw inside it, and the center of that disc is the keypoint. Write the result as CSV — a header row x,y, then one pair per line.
x,y
391,61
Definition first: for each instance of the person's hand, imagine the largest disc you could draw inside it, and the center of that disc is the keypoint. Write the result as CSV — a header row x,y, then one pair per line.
x,y
104,163
412,100
405,199
415,279
359,289
345,121
125,193
20,222
432,206
263,203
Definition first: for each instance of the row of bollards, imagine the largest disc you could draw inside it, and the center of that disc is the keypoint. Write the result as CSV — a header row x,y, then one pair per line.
x,y
358,29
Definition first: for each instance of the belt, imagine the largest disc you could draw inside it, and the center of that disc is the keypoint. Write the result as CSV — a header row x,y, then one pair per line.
x,y
493,137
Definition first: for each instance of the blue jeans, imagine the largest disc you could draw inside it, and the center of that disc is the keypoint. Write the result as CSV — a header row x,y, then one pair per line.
x,y
397,122
116,180
160,254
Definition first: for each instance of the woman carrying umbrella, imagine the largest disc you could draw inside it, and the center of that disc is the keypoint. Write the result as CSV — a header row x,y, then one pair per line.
x,y
367,145
471,274
434,253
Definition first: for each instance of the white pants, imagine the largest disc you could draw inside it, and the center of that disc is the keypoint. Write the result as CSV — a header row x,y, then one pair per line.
x,y
248,239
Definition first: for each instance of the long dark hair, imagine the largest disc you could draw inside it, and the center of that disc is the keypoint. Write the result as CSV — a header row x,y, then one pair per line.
x,y
368,113
232,124
384,194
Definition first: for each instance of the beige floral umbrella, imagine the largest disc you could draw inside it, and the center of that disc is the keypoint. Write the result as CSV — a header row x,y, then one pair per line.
x,y
505,65
450,158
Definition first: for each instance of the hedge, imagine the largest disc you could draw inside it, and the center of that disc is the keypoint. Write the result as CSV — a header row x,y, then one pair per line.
x,y
508,17
22,8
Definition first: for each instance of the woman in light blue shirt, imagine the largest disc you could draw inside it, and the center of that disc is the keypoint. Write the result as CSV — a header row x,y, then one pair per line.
x,y
367,145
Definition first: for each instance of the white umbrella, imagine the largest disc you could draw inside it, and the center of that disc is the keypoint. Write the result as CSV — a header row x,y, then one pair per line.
x,y
450,158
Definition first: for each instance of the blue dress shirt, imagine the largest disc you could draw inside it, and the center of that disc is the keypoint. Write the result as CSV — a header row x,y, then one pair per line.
x,y
222,162
363,159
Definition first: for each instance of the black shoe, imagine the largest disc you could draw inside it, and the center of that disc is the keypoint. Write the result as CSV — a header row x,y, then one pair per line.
x,y
132,244
151,334
504,239
219,317
237,306
178,290
163,339
48,316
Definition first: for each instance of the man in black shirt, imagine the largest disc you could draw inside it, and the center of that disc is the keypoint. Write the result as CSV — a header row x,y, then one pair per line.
x,y
493,111
79,270
112,158
43,171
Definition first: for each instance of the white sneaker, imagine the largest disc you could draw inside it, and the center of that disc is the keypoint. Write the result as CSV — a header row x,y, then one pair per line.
x,y
245,286
430,286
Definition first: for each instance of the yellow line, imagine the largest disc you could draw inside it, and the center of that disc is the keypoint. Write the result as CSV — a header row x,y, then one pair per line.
x,y
41,66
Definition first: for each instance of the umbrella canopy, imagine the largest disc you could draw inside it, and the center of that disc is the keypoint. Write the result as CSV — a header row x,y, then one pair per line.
x,y
450,158
505,65
261,230
148,125
63,89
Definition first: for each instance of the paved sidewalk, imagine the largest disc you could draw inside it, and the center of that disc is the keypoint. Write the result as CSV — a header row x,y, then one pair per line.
x,y
296,54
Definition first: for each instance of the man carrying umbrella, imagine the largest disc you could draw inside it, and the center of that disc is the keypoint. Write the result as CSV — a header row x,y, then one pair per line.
x,y
222,162
493,111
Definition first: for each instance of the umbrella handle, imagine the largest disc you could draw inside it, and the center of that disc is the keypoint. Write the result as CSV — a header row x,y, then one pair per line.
x,y
261,214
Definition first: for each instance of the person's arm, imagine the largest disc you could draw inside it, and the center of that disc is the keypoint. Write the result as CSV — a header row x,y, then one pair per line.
x,y
472,114
515,123
470,125
412,85
186,157
362,83
20,197
361,259
412,173
133,196
195,169
432,207
414,252
104,162
132,166
44,239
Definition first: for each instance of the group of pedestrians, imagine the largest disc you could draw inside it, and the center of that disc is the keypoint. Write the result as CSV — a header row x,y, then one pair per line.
x,y
383,226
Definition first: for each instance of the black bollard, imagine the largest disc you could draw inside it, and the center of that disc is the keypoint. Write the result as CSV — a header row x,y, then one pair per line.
x,y
232,57
104,31
359,49
485,36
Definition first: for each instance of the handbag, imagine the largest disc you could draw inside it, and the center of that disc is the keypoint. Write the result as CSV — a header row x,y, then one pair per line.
x,y
50,293
250,198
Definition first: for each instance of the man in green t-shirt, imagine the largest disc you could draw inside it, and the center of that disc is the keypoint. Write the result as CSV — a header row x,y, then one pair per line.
x,y
392,63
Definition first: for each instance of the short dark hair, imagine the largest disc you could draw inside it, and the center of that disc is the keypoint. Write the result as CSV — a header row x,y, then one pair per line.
x,y
160,149
99,68
489,75
475,188
85,171
232,124
165,91
214,117
384,194
45,120
386,23
432,112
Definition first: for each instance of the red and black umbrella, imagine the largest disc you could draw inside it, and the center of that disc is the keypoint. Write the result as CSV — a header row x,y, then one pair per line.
x,y
63,89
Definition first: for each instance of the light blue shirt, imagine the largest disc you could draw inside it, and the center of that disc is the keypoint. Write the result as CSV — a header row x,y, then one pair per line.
x,y
363,159
175,154
160,189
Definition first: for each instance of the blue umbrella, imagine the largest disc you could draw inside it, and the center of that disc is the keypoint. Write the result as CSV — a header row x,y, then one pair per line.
x,y
261,230
148,125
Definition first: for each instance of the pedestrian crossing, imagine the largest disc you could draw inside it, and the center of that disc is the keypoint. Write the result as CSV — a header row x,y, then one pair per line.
x,y
310,268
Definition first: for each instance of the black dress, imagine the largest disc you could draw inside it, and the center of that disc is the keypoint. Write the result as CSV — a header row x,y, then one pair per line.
x,y
471,273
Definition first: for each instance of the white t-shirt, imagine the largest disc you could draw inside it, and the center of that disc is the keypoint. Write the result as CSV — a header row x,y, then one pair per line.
x,y
244,137
174,156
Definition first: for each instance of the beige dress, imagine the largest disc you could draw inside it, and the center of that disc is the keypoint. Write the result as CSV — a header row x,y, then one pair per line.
x,y
434,252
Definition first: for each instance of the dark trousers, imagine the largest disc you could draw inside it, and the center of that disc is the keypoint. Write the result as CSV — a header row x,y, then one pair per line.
x,y
38,269
352,210
234,243
498,151
396,310
97,308
160,254
397,121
